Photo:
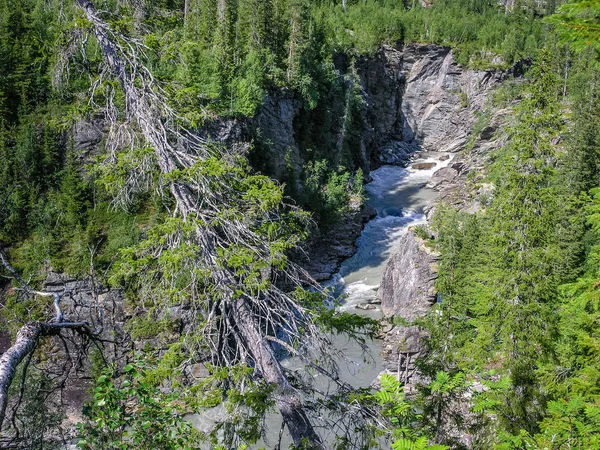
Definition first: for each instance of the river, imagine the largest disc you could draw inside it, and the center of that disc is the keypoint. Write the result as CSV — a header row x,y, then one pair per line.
x,y
399,196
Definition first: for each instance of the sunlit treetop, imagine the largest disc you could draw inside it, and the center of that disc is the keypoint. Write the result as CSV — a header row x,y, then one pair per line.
x,y
578,23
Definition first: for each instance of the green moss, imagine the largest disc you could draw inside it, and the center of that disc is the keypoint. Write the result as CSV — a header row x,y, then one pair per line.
x,y
148,327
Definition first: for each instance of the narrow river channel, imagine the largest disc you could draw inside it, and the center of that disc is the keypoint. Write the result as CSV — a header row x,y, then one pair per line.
x,y
399,196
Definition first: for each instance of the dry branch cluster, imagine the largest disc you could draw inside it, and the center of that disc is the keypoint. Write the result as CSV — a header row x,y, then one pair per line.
x,y
240,316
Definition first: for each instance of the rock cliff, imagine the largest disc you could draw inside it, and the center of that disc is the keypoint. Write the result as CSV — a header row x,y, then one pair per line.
x,y
407,285
407,293
442,104
441,100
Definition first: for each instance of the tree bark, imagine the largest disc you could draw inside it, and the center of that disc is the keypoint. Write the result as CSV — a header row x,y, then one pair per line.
x,y
286,398
25,344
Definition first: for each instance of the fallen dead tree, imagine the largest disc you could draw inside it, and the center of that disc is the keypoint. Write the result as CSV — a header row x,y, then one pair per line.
x,y
202,201
228,234
30,334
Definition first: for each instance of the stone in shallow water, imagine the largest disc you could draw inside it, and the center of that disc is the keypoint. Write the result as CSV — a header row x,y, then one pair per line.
x,y
424,166
443,176
365,306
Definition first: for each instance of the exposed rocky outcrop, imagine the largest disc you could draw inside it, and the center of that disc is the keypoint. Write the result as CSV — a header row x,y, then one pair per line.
x,y
407,292
407,289
442,177
462,184
441,99
327,249
70,358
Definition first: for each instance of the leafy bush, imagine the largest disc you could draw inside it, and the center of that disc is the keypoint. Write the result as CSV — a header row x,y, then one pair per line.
x,y
127,412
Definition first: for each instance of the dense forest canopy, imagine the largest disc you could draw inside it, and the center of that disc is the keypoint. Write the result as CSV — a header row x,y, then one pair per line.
x,y
199,236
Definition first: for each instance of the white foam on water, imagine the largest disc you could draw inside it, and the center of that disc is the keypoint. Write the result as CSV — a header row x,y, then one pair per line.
x,y
399,196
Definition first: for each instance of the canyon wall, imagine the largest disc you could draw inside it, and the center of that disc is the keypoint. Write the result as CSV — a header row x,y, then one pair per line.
x,y
441,106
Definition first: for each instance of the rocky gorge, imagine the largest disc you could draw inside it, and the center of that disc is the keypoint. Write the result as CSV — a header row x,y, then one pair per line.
x,y
417,104
445,109
415,99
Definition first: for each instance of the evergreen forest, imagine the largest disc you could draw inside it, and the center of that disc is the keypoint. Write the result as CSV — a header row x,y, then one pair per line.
x,y
153,236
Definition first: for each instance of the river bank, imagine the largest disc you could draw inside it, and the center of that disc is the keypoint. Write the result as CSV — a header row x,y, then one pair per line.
x,y
400,197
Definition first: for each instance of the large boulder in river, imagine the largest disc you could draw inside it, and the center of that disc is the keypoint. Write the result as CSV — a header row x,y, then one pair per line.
x,y
407,291
407,285
442,177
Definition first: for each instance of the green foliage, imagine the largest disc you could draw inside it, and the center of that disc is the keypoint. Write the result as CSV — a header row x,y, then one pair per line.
x,y
507,318
481,35
573,424
128,412
518,280
149,327
422,232
330,192
402,416
364,26
578,23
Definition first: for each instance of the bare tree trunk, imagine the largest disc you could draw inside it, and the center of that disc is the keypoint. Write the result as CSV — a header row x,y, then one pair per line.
x,y
25,344
155,133
286,398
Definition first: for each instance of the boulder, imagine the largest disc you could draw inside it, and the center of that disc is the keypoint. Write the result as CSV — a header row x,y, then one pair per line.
x,y
442,176
424,166
87,134
365,306
407,285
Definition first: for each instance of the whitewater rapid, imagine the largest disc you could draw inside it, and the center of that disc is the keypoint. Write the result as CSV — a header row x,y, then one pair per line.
x,y
399,196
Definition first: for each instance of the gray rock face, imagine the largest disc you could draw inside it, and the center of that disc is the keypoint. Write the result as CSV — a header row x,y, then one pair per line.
x,y
441,99
441,177
402,346
104,311
87,135
382,86
407,285
275,125
407,291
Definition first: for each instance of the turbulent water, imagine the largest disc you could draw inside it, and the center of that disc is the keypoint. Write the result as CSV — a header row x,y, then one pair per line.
x,y
399,195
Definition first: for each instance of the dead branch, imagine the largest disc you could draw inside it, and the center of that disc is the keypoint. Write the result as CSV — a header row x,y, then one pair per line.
x,y
29,335
25,344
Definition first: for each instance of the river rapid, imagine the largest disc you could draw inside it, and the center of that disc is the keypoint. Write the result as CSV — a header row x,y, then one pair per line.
x,y
399,196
